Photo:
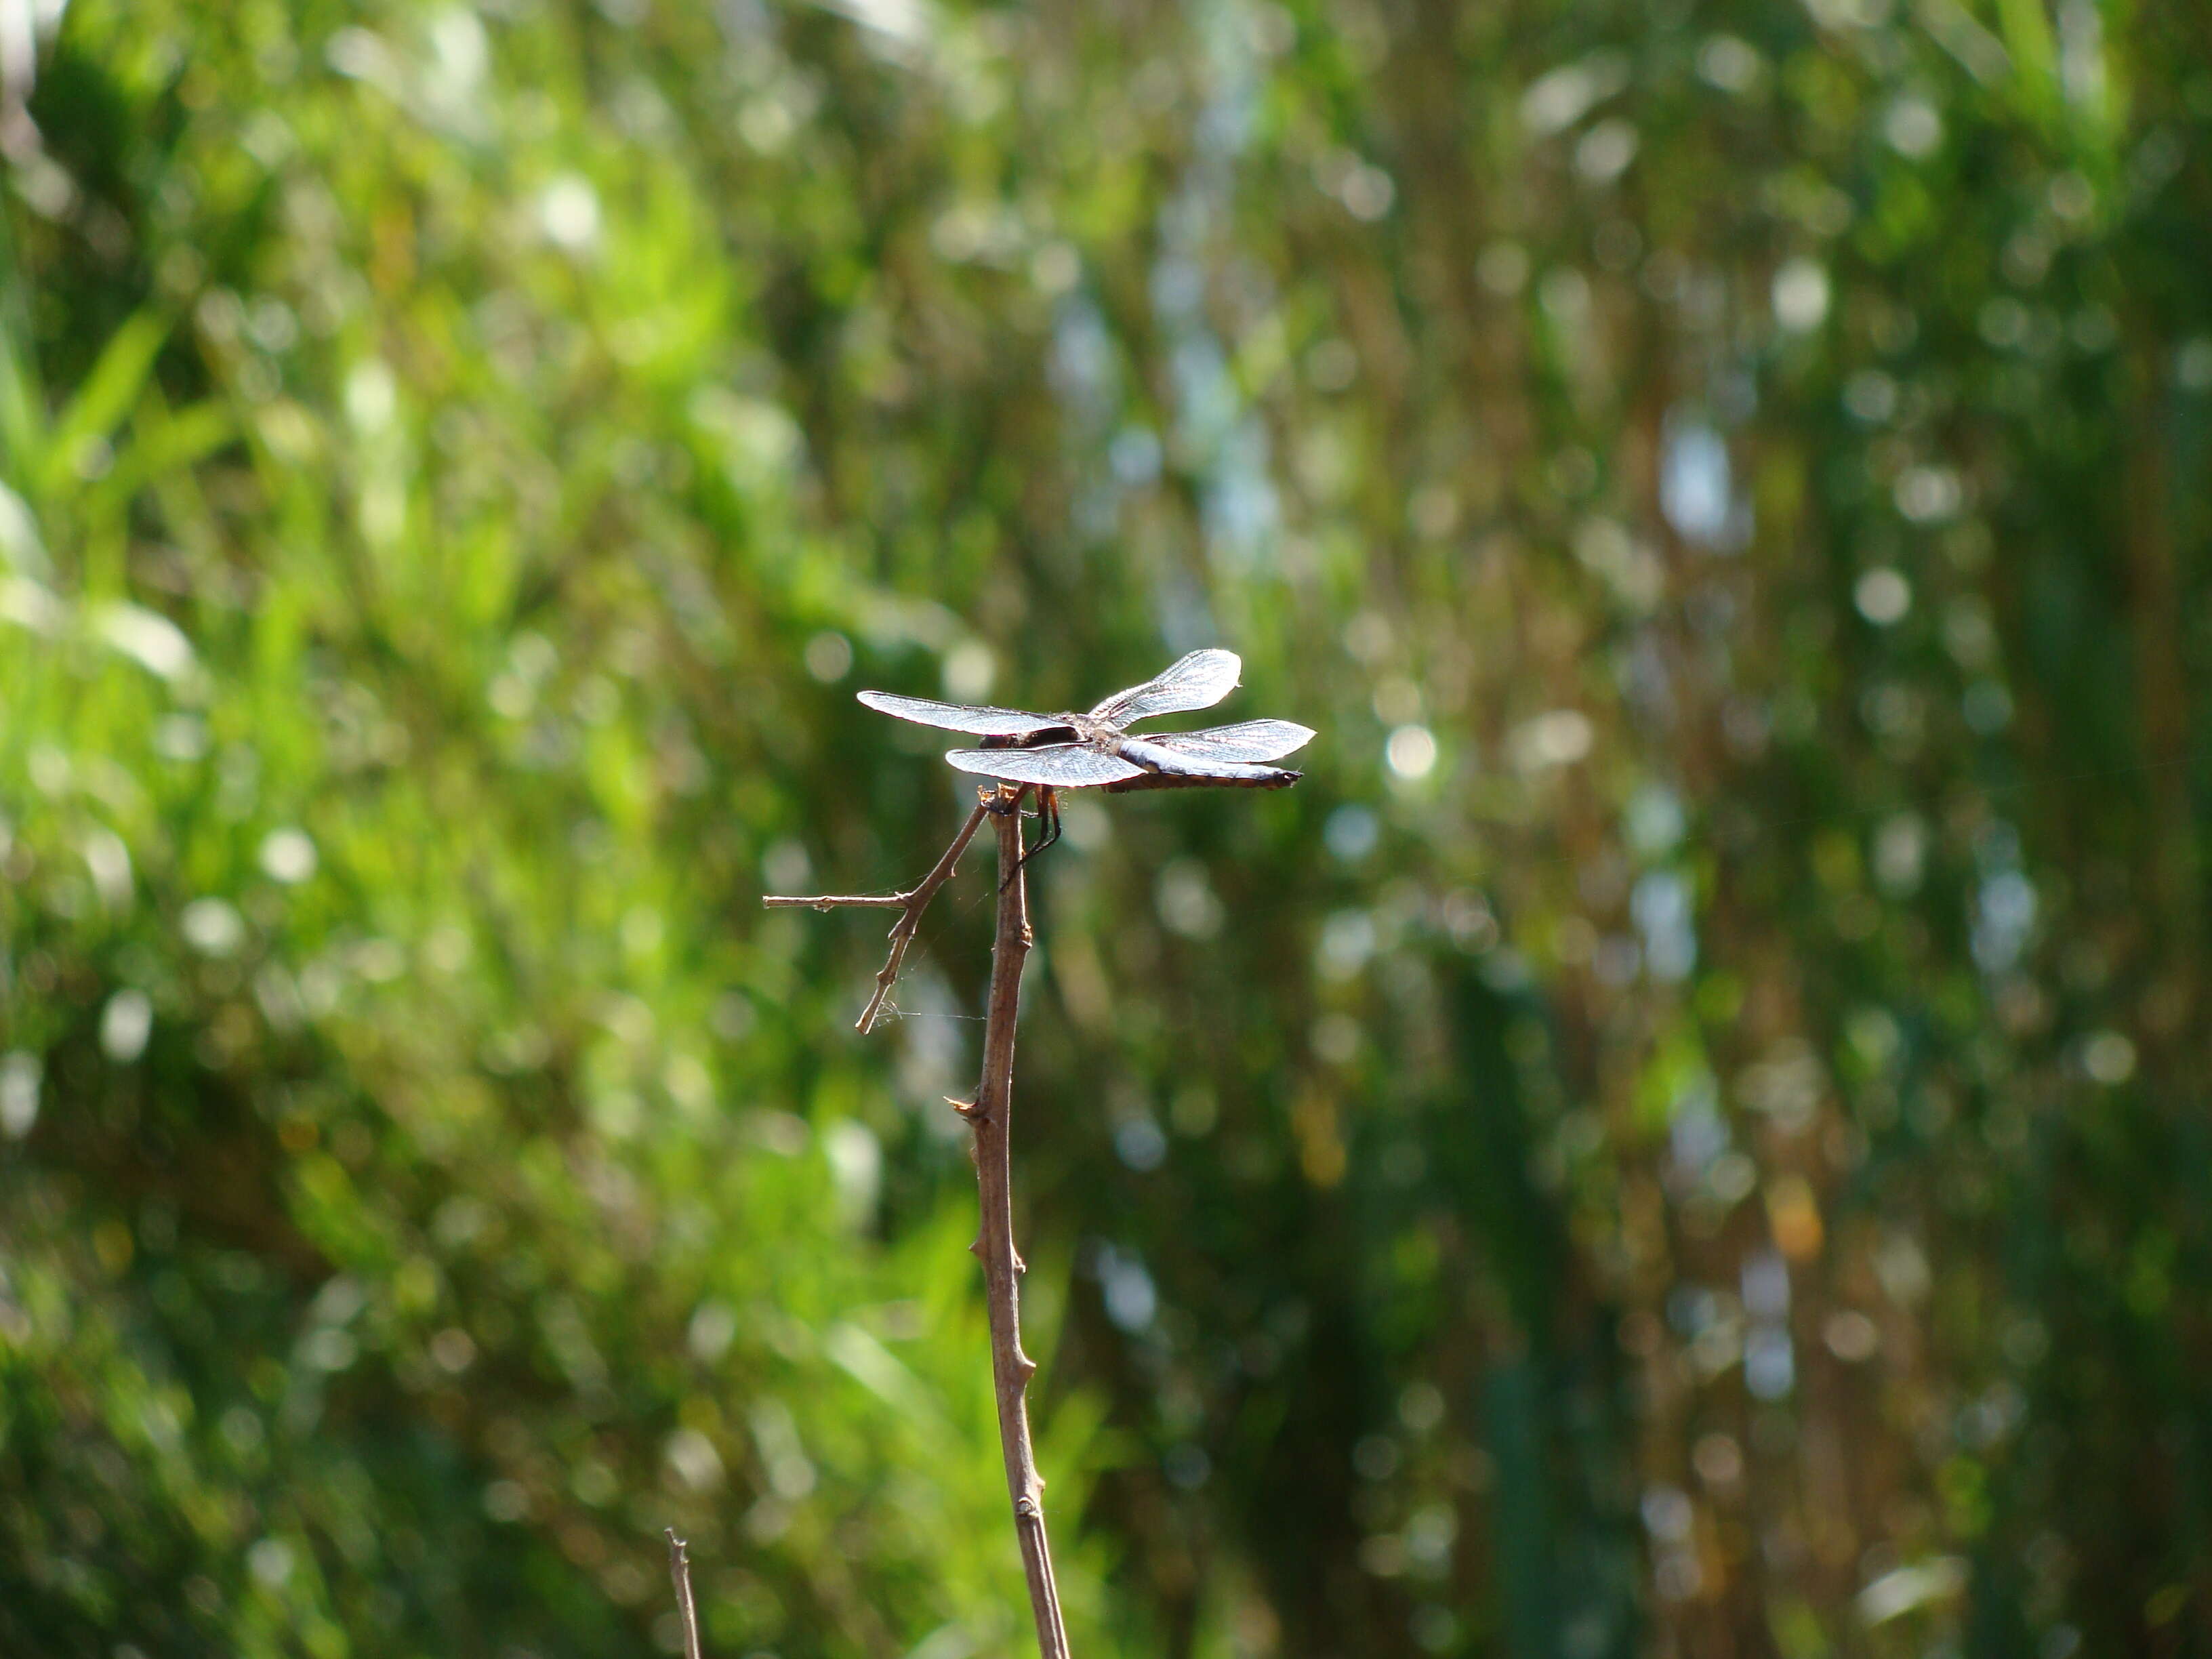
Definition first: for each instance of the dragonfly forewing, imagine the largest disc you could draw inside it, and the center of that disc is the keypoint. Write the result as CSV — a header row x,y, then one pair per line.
x,y
1197,681
982,721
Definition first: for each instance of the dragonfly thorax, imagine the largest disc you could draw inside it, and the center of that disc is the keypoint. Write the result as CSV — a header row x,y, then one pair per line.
x,y
1066,728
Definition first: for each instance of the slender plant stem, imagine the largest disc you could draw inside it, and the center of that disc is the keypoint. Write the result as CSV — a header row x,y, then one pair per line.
x,y
990,1118
911,904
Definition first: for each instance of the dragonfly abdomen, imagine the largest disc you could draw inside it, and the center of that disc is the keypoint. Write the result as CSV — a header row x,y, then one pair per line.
x,y
1156,757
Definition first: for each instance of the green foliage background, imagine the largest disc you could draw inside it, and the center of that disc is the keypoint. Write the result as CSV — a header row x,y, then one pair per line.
x,y
1686,1132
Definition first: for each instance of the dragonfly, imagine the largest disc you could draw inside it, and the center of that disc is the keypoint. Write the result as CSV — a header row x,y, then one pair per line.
x,y
1097,750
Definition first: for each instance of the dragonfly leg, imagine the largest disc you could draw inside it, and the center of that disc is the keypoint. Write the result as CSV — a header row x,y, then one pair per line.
x,y
1049,813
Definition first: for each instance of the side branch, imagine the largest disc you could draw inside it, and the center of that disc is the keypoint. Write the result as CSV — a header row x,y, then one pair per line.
x,y
912,903
989,1119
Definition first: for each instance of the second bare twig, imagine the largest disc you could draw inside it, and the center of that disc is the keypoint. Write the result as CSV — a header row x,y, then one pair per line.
x,y
679,1569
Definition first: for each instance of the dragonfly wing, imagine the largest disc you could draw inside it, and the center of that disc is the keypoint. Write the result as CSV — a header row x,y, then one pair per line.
x,y
1055,765
1197,681
1155,757
984,722
1252,740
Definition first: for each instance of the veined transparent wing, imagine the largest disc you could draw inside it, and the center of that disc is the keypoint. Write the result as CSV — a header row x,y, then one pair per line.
x,y
1197,681
1056,765
983,722
1250,740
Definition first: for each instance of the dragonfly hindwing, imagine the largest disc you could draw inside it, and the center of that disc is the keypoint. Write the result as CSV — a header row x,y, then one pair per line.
x,y
1249,740
1057,766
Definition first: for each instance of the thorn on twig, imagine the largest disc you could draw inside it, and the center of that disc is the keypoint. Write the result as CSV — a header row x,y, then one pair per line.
x,y
968,1110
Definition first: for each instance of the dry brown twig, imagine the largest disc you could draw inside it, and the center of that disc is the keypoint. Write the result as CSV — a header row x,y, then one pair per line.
x,y
989,1117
